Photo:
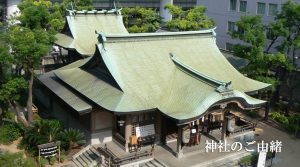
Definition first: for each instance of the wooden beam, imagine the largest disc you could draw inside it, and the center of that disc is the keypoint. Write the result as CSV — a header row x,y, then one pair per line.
x,y
179,151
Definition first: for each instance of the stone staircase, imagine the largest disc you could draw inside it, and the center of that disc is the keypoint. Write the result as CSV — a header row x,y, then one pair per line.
x,y
152,163
87,157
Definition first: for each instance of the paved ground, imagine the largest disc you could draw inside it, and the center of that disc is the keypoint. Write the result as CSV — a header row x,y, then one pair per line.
x,y
290,155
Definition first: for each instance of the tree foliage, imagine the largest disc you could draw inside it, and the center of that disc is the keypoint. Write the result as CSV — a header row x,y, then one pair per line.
x,y
41,132
10,132
192,19
77,4
45,131
31,39
289,18
72,138
138,20
11,86
252,32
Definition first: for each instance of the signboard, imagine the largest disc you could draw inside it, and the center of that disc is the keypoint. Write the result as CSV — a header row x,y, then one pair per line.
x,y
49,150
138,131
144,131
186,135
262,159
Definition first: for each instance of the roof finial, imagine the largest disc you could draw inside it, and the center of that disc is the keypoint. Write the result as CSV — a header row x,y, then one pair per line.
x,y
214,34
116,8
101,38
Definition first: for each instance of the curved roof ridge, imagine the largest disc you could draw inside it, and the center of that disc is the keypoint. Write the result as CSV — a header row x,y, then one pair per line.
x,y
196,73
95,12
115,37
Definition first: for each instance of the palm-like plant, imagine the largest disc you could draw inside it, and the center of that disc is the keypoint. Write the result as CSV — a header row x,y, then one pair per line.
x,y
72,138
41,132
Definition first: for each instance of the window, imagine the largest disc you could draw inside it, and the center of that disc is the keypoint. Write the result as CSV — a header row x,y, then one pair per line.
x,y
241,31
232,5
272,9
231,26
261,8
243,6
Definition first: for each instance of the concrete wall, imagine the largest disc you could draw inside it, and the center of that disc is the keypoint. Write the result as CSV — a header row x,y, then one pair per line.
x,y
12,7
164,13
219,11
102,125
101,137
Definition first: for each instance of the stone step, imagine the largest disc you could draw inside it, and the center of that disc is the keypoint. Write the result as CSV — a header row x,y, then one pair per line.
x,y
84,159
148,164
77,163
80,161
94,150
92,155
85,154
156,163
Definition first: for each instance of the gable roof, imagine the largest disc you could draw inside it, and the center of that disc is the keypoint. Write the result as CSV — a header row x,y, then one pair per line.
x,y
182,86
79,32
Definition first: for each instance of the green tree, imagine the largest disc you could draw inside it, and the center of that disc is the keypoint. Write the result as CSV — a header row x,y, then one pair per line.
x,y
138,20
77,5
289,17
251,31
31,40
29,46
192,19
10,85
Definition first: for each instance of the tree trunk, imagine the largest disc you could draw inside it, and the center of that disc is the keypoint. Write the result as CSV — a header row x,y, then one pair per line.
x,y
294,57
29,100
1,116
271,44
16,108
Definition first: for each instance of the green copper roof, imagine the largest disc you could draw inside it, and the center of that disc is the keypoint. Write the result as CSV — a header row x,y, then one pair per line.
x,y
149,78
64,93
82,27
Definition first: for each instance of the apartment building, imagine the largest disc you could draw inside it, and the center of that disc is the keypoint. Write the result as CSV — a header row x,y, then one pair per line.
x,y
227,12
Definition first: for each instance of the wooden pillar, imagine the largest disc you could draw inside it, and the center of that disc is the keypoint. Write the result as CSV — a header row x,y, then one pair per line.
x,y
128,128
163,130
158,125
267,110
224,125
179,152
208,123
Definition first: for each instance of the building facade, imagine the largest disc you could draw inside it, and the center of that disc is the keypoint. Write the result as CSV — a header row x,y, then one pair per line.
x,y
226,12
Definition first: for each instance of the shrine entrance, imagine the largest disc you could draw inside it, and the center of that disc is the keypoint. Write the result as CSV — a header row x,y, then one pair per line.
x,y
169,130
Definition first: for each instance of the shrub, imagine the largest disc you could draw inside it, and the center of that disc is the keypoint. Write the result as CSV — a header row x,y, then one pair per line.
x,y
9,132
43,162
250,160
294,122
42,131
71,138
16,159
280,118
62,158
9,115
52,160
